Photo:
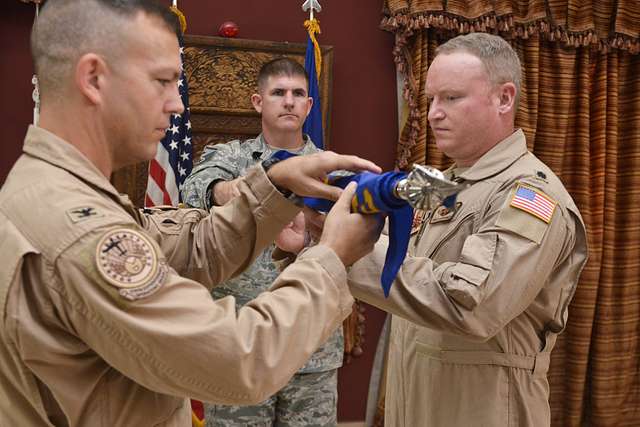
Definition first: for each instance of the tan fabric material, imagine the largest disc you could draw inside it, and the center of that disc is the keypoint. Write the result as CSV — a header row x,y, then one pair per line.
x,y
75,351
476,307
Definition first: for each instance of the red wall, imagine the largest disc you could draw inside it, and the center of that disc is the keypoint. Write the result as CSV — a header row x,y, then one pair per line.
x,y
363,111
16,70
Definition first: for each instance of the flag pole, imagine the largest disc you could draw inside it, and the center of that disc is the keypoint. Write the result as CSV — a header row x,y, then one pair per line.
x,y
313,65
34,80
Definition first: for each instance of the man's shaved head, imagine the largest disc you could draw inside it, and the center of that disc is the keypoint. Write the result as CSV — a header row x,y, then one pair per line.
x,y
67,29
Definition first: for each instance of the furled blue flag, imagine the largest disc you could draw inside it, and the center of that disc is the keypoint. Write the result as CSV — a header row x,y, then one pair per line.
x,y
376,195
174,158
313,124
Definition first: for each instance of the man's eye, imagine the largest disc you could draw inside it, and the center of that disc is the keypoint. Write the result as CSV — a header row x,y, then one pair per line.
x,y
164,82
452,97
278,92
300,93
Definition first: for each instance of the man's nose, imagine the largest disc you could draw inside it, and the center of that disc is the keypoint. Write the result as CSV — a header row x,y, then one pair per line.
x,y
435,111
174,104
288,99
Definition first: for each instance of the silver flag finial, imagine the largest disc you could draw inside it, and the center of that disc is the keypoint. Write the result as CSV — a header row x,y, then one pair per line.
x,y
312,4
426,187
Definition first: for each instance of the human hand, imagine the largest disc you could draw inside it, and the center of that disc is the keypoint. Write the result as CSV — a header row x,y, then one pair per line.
x,y
223,191
306,175
291,238
314,222
350,235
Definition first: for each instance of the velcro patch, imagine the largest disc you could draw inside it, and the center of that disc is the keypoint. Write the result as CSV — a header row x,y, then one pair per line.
x,y
127,260
83,213
534,202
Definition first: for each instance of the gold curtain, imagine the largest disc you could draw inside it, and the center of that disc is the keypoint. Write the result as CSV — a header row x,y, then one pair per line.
x,y
580,110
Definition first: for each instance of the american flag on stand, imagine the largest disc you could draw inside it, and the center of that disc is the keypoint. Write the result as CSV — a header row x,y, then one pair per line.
x,y
174,159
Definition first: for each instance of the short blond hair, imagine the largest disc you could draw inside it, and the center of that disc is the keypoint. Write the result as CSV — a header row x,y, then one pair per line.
x,y
498,57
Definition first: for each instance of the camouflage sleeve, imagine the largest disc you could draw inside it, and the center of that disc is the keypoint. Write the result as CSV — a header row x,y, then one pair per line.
x,y
217,163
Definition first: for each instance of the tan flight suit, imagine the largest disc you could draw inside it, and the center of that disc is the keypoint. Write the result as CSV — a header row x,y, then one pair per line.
x,y
102,324
480,299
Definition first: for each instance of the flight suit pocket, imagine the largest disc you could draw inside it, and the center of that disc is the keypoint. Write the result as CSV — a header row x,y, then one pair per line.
x,y
165,225
469,275
173,221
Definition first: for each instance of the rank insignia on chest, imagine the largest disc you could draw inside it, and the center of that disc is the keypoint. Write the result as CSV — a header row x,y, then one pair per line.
x,y
127,260
534,202
443,213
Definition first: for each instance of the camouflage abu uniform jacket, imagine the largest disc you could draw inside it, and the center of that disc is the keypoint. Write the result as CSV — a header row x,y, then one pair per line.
x,y
227,162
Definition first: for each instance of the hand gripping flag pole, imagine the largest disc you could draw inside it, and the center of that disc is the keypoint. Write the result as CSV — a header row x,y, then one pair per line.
x,y
394,194
375,195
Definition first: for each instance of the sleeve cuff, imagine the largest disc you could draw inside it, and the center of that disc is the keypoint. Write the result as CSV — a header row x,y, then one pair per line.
x,y
329,260
268,195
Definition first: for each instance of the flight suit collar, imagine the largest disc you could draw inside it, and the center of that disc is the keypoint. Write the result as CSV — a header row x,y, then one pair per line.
x,y
51,149
500,157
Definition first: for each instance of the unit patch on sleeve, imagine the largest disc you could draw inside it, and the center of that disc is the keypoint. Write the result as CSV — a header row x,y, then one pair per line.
x,y
534,202
127,260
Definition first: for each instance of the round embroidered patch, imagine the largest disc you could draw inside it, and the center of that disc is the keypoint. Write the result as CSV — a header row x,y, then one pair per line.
x,y
126,259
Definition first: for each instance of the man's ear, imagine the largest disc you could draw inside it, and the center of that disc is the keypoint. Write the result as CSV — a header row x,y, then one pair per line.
x,y
507,97
90,76
309,105
256,100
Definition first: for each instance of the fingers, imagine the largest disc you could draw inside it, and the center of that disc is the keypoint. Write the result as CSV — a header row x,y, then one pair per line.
x,y
344,201
354,163
314,222
317,188
328,192
305,175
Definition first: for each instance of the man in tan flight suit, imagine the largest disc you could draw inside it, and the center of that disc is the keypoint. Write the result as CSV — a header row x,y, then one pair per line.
x,y
484,290
103,322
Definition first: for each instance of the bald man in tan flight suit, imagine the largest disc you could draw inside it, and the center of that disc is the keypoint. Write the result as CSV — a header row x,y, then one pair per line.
x,y
103,320
483,293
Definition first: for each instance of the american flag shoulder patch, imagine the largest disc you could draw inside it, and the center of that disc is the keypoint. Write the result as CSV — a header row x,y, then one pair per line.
x,y
534,202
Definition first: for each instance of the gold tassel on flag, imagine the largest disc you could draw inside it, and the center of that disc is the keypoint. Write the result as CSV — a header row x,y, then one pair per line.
x,y
181,17
313,27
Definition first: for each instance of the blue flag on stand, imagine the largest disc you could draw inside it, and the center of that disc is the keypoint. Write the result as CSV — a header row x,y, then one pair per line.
x,y
312,63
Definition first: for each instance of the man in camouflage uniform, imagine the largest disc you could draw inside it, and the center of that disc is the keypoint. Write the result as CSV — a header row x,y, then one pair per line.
x,y
310,398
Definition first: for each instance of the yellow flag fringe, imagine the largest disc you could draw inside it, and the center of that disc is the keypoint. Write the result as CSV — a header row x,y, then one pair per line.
x,y
313,28
181,18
